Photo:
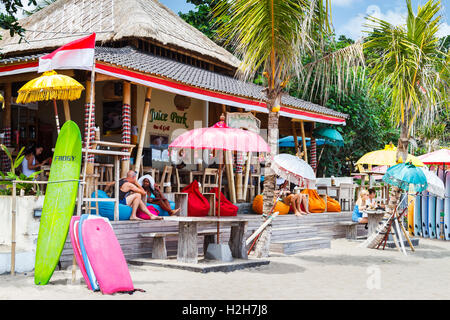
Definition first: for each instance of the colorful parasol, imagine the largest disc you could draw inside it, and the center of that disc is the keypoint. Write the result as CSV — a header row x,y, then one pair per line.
x,y
332,136
224,138
404,174
293,169
50,86
289,142
386,157
435,185
441,156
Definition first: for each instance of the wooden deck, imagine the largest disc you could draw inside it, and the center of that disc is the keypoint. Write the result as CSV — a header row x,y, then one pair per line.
x,y
290,234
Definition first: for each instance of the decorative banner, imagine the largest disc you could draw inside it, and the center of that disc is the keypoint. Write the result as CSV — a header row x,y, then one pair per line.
x,y
126,128
313,154
6,164
90,157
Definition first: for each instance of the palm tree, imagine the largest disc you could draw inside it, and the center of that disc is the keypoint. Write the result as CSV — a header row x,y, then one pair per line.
x,y
409,62
273,37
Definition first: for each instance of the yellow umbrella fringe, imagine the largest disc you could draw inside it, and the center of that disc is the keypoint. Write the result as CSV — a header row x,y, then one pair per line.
x,y
43,95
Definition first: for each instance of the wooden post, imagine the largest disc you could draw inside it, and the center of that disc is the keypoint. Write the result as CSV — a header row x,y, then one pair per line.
x,y
116,187
13,231
294,134
237,240
302,128
89,162
126,125
247,175
7,125
148,96
66,110
187,243
230,175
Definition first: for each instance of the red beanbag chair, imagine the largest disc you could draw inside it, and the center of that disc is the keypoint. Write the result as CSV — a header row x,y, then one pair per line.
x,y
141,214
227,209
198,205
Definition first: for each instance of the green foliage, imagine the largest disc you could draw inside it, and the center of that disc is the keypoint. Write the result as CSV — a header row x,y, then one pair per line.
x,y
201,18
8,21
11,175
408,60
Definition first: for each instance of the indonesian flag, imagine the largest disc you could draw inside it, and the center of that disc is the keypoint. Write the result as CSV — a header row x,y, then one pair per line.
x,y
78,54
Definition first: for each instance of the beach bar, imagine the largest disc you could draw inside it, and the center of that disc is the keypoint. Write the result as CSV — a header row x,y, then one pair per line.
x,y
156,77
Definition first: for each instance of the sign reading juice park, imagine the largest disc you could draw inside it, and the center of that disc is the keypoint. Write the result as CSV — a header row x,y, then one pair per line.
x,y
173,117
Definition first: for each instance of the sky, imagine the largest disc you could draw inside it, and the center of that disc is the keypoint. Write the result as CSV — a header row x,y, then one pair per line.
x,y
348,15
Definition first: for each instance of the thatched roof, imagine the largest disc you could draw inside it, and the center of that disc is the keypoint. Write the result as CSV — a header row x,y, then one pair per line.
x,y
112,20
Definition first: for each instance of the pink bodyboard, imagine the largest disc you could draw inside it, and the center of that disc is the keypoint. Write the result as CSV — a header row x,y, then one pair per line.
x,y
106,257
73,231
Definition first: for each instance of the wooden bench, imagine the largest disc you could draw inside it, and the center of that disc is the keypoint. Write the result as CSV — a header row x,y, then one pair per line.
x,y
351,229
159,250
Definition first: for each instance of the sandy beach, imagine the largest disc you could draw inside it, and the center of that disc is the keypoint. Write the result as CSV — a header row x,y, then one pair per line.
x,y
342,272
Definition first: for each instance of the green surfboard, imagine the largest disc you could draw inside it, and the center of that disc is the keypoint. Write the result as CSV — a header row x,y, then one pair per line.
x,y
59,202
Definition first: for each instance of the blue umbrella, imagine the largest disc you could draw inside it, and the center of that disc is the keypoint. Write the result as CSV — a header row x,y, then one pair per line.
x,y
330,135
403,174
289,142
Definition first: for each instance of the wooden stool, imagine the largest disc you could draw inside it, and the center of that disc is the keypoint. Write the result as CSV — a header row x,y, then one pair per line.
x,y
166,177
351,229
210,179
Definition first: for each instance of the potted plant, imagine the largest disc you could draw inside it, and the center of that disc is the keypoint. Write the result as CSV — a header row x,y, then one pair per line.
x,y
29,199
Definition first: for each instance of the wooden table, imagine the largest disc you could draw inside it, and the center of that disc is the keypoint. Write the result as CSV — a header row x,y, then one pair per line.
x,y
374,217
188,233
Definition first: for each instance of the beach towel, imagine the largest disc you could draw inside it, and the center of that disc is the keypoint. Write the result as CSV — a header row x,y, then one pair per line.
x,y
198,205
315,202
226,207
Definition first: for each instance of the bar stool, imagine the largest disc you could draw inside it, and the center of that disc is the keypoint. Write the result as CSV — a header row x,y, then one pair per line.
x,y
165,183
210,179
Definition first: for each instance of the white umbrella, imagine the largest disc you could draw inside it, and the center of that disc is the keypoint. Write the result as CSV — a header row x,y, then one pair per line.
x,y
293,169
435,185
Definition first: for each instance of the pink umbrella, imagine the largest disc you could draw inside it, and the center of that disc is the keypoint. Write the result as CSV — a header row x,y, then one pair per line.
x,y
441,156
221,137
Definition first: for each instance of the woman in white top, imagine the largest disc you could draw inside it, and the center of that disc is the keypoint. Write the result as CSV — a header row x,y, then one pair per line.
x,y
29,163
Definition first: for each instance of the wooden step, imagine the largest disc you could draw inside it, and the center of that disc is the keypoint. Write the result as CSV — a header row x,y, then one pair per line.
x,y
291,233
295,246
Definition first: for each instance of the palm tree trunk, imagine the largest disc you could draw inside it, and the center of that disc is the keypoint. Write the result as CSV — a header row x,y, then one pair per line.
x,y
263,246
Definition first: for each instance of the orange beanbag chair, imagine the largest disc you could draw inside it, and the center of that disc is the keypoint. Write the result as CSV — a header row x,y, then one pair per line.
x,y
198,205
257,206
315,202
333,205
227,209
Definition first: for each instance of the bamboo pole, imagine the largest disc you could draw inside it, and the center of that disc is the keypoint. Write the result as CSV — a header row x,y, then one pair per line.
x,y
125,164
148,96
230,175
66,110
55,109
247,175
13,231
294,134
302,128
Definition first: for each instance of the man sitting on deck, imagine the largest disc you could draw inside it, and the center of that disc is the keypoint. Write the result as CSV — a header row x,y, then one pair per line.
x,y
130,194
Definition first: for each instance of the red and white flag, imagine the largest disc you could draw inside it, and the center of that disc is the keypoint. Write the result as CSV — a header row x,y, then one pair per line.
x,y
78,54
